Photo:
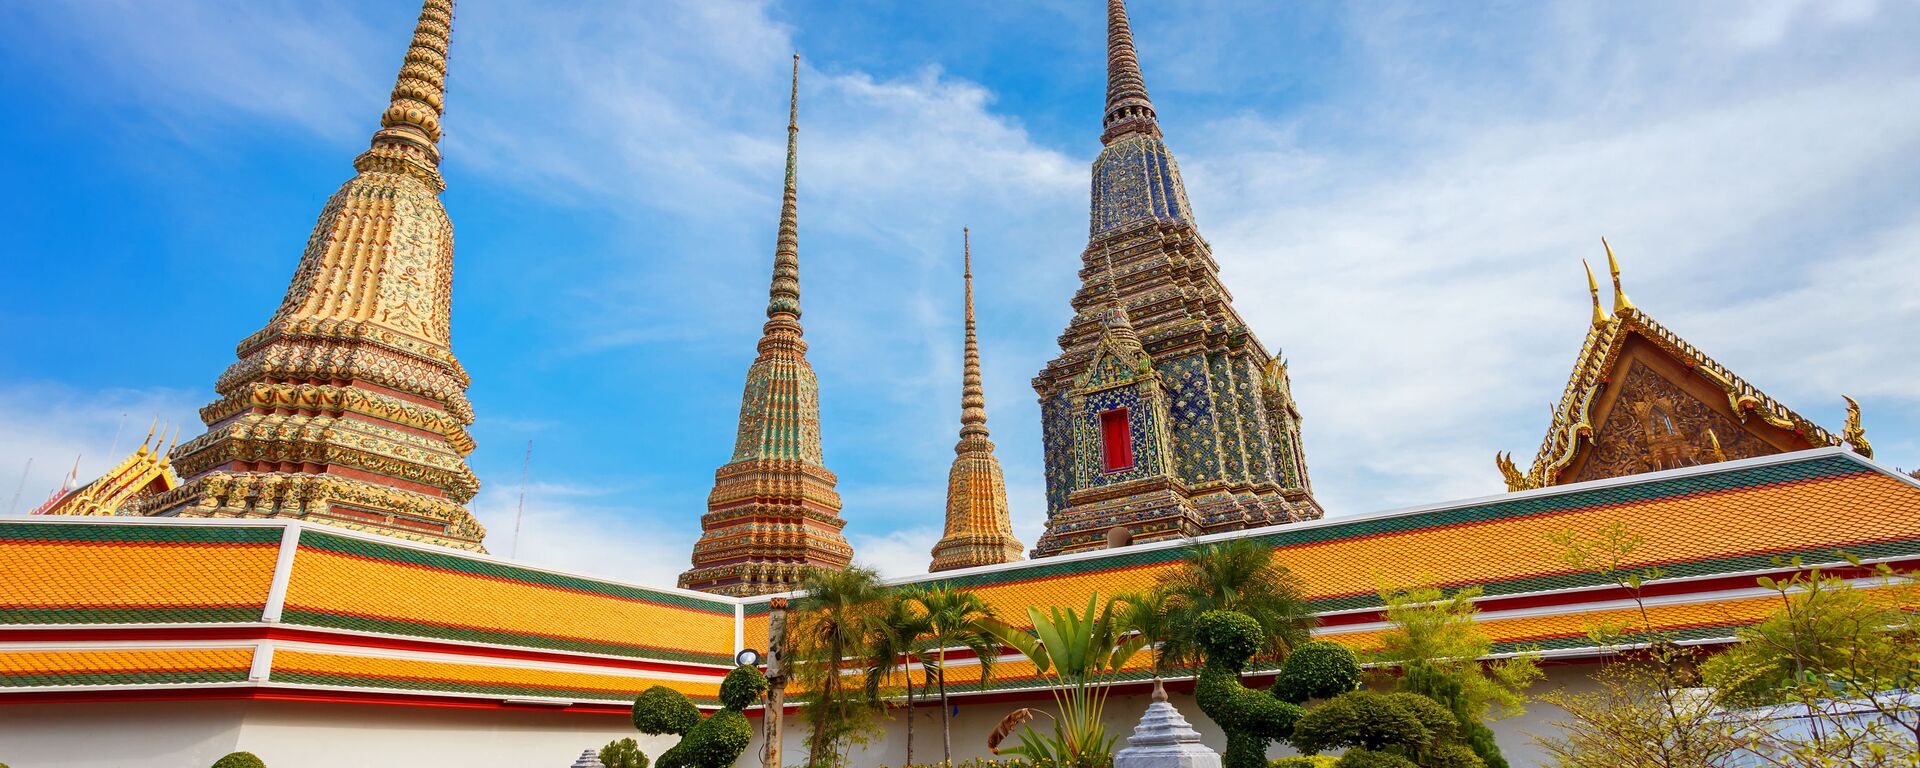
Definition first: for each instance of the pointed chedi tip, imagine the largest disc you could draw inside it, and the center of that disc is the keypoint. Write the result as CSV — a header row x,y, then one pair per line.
x,y
1620,301
783,294
973,396
1128,108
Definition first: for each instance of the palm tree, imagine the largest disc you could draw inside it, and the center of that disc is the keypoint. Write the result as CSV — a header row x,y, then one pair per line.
x,y
958,620
832,620
1156,615
898,633
1238,575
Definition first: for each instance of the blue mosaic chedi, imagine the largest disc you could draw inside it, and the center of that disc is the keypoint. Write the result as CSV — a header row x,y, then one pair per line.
x,y
1163,416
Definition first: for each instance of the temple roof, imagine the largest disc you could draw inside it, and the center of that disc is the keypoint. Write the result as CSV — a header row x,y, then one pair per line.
x,y
118,491
1599,363
403,622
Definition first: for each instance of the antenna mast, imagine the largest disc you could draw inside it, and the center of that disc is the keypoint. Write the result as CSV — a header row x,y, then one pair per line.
x,y
521,511
17,487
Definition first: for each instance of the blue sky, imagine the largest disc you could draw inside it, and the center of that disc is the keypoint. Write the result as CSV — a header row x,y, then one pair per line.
x,y
1399,196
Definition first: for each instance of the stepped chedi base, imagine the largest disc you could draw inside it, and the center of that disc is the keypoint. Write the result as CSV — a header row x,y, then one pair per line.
x,y
773,514
1163,417
1164,739
979,530
349,408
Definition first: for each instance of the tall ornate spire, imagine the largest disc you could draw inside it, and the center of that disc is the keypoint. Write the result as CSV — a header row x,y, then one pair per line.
x,y
773,513
979,528
1128,108
349,407
1163,416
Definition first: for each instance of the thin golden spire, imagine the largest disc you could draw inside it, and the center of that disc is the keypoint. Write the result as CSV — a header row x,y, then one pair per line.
x,y
783,295
1620,301
1593,291
973,397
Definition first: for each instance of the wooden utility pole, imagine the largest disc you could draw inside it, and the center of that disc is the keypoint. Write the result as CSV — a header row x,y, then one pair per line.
x,y
776,677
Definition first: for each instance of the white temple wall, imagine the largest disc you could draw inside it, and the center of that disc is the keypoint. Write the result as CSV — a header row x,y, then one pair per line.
x,y
193,734
190,734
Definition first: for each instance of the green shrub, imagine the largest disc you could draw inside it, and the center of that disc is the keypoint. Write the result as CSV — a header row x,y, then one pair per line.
x,y
624,753
239,760
663,711
1360,719
1423,679
1317,670
739,690
1251,718
1451,756
1436,719
1305,761
1367,758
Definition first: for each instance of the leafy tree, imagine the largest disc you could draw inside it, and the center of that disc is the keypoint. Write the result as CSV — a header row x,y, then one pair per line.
x,y
834,619
896,635
956,619
1437,645
1641,714
1082,651
1251,718
624,753
1238,575
1833,651
1363,719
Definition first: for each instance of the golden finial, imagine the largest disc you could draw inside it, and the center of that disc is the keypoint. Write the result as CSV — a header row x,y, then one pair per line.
x,y
973,396
1853,433
142,450
419,94
1620,301
783,304
1593,290
1718,455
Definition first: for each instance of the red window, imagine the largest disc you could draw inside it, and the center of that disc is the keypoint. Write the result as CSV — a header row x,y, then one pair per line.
x,y
1116,441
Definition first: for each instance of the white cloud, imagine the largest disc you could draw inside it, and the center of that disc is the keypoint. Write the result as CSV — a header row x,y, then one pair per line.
x,y
45,428
1411,238
596,531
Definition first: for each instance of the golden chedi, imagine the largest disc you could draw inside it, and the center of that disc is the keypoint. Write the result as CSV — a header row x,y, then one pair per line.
x,y
349,408
979,530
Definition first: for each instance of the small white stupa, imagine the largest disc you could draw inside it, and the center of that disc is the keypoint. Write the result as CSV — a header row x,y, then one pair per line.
x,y
588,759
1164,739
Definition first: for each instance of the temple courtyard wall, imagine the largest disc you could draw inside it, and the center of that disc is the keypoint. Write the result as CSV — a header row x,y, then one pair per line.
x,y
304,734
168,642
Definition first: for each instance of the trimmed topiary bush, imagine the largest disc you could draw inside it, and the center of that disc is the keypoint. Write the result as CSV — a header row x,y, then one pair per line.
x,y
1367,758
239,760
1317,670
1361,719
661,710
624,753
714,742
1305,761
1251,718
